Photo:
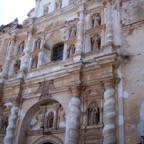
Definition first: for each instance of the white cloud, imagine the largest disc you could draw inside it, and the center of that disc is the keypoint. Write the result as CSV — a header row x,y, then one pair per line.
x,y
11,9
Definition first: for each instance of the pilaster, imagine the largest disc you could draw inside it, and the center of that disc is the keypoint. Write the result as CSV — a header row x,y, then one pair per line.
x,y
109,28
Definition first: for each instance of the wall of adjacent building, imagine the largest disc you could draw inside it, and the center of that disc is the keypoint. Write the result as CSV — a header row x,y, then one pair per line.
x,y
132,52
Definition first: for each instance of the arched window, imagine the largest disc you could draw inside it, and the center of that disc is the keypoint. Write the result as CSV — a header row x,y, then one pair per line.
x,y
50,120
17,66
93,113
57,53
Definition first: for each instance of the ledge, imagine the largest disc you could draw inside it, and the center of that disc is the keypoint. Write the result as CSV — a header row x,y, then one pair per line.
x,y
49,132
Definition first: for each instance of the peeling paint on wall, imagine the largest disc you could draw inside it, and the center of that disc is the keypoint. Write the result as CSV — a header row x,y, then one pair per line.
x,y
126,94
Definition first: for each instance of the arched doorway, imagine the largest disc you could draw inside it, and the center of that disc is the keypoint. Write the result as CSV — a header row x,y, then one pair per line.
x,y
42,119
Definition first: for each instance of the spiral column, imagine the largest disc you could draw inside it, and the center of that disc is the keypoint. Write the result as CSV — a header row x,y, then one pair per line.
x,y
74,119
9,55
27,50
10,131
109,117
109,28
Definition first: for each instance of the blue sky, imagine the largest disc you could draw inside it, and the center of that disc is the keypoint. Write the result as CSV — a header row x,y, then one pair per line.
x,y
11,9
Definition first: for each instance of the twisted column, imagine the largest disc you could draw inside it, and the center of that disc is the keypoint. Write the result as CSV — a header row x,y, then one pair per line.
x,y
27,50
109,117
80,32
109,29
10,131
9,55
74,119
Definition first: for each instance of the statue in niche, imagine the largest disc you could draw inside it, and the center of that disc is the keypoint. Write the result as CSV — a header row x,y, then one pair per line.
x,y
17,66
45,11
95,43
38,44
50,120
96,20
93,114
3,124
71,51
34,62
73,30
21,47
58,4
62,115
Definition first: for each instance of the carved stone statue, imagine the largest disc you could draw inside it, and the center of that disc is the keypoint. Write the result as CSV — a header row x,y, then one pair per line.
x,y
45,11
93,114
17,66
70,51
34,62
50,120
38,44
73,30
58,4
96,20
95,43
21,47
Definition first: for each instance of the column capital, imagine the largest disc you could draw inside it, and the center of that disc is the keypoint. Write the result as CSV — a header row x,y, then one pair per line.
x,y
110,83
75,88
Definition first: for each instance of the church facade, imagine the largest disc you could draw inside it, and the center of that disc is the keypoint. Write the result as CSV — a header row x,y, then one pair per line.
x,y
72,73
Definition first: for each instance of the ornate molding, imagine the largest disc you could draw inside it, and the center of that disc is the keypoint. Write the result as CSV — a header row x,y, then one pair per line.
x,y
45,88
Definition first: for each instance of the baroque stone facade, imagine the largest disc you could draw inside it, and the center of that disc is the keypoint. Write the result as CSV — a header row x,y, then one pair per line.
x,y
72,73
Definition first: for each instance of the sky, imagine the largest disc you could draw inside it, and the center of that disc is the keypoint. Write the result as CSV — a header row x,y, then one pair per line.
x,y
12,9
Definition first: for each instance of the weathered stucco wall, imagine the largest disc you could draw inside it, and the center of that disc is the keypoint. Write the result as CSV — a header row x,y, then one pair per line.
x,y
133,78
132,52
132,11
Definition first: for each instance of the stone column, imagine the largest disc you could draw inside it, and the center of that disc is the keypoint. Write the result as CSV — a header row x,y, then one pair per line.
x,y
65,51
109,29
40,55
80,32
8,59
74,119
27,50
109,117
10,131
100,115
